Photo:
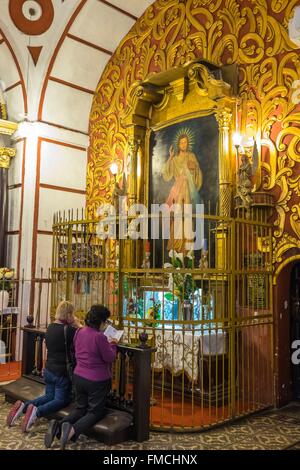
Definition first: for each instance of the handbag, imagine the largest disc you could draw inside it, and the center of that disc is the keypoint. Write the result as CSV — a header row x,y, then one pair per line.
x,y
70,361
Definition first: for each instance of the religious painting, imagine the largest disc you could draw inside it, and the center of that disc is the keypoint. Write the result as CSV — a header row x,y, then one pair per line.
x,y
184,167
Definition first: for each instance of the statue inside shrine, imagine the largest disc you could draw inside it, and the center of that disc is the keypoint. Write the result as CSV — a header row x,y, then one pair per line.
x,y
117,195
244,184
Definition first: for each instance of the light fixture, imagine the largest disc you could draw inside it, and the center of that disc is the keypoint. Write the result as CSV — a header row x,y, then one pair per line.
x,y
114,169
27,128
250,142
237,139
24,129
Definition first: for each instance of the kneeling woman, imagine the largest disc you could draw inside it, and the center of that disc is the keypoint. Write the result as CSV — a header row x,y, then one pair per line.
x,y
59,342
92,377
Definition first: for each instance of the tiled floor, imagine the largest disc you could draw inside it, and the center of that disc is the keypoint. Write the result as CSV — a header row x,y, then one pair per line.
x,y
271,430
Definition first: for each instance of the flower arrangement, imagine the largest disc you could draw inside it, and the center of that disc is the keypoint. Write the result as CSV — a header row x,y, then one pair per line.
x,y
180,284
6,276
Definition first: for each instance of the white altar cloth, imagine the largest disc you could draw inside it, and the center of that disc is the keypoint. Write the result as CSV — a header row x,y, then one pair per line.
x,y
180,351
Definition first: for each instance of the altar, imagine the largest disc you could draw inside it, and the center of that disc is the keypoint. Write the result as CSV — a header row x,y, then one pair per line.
x,y
188,359
183,351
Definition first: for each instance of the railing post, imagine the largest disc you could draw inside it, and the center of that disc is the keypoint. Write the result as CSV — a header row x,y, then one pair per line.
x,y
32,353
141,392
141,359
28,352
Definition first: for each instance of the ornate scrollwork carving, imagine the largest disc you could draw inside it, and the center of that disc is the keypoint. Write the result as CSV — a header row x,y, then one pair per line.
x,y
3,110
172,33
224,119
5,156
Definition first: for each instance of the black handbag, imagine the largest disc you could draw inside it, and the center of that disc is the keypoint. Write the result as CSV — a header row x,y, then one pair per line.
x,y
70,357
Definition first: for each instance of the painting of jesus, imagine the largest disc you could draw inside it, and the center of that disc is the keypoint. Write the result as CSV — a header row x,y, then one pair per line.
x,y
184,169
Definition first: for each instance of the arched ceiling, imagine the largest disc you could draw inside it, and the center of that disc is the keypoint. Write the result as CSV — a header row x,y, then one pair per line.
x,y
53,52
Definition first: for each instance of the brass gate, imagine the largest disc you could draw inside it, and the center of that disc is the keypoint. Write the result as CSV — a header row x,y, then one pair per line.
x,y
208,313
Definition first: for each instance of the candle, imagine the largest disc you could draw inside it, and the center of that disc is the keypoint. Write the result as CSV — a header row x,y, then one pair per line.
x,y
205,244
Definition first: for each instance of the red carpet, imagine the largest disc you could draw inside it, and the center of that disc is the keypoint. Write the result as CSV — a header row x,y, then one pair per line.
x,y
186,415
10,371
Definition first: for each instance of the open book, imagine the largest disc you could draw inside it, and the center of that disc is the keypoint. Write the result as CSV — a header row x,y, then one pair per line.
x,y
111,333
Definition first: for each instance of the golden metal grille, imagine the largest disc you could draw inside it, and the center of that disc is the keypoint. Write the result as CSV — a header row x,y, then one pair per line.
x,y
210,318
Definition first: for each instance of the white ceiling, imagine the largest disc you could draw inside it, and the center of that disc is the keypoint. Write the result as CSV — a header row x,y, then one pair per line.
x,y
75,49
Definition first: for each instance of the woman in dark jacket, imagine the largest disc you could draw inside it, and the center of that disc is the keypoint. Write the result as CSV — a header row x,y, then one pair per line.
x,y
92,377
58,386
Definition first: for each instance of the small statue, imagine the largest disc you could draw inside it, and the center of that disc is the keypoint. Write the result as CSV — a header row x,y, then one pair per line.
x,y
146,261
244,185
203,263
131,308
118,193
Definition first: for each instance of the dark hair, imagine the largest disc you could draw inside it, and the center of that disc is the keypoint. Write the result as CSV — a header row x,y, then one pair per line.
x,y
96,315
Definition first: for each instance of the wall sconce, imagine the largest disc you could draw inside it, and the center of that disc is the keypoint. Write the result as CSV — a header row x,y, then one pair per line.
x,y
237,139
114,170
28,129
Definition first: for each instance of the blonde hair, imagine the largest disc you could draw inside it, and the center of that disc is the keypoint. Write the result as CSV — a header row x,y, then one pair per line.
x,y
64,310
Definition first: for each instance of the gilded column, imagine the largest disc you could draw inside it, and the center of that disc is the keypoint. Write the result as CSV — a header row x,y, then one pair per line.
x,y
132,171
224,119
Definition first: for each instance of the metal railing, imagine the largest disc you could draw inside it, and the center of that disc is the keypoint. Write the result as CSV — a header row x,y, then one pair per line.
x,y
209,314
22,302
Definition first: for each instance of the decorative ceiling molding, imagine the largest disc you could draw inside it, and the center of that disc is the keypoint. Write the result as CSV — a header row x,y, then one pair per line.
x,y
8,127
39,22
35,52
16,62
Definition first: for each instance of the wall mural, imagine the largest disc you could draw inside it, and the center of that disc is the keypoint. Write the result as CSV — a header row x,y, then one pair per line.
x,y
255,36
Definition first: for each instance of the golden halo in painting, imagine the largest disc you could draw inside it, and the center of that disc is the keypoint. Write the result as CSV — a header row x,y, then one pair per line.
x,y
185,132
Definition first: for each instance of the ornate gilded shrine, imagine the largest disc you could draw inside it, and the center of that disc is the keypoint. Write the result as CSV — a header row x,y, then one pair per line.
x,y
185,78
207,309
252,36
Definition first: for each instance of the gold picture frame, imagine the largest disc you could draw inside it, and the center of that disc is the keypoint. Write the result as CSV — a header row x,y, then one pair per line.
x,y
193,90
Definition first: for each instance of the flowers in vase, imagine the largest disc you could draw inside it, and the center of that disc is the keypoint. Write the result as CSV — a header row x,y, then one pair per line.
x,y
6,276
180,284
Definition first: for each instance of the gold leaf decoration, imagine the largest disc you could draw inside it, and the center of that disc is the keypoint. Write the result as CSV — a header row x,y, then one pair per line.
x,y
253,34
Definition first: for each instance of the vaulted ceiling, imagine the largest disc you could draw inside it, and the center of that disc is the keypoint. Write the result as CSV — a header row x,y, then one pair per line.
x,y
53,52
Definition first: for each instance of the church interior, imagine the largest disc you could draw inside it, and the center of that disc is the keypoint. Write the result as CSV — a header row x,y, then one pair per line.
x,y
150,163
